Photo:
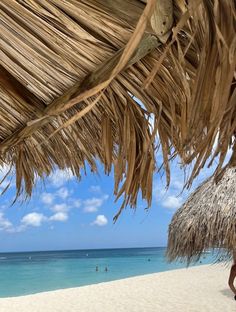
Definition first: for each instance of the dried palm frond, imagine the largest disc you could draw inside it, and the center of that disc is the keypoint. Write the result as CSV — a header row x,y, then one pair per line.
x,y
72,71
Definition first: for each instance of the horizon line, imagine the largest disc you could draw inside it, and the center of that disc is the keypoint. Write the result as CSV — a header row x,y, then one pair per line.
x,y
82,249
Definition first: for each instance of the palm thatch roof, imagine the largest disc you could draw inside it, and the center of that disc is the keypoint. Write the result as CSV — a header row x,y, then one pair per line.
x,y
206,220
72,75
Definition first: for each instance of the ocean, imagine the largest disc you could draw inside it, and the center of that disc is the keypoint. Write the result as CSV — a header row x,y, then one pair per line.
x,y
32,272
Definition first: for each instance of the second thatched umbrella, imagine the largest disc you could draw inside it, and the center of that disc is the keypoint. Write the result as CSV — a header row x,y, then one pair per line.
x,y
206,220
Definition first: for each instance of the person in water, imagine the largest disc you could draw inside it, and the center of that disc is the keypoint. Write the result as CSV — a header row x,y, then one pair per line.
x,y
233,275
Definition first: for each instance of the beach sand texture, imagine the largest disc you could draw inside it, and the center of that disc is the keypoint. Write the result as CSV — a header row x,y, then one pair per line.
x,y
197,289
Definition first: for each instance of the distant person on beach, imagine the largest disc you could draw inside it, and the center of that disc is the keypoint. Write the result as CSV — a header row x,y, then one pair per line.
x,y
96,268
233,275
106,269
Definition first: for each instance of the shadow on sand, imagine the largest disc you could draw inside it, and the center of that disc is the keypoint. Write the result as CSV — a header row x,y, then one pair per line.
x,y
227,293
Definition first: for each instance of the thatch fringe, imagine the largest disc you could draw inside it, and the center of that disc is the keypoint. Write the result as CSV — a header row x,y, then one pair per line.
x,y
71,74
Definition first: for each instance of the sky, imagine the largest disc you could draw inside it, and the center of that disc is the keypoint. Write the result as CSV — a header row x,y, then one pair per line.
x,y
65,213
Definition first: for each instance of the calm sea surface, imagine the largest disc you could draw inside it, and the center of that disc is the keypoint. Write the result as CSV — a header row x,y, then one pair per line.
x,y
32,272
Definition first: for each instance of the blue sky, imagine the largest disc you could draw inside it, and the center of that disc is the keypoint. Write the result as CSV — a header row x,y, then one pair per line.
x,y
66,214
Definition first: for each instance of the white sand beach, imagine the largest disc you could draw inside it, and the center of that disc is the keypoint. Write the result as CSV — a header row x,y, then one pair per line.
x,y
197,289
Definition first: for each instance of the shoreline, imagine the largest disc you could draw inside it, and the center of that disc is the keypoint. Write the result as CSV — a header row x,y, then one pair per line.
x,y
193,289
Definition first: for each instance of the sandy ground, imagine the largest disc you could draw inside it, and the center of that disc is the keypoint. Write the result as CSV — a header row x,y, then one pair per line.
x,y
195,289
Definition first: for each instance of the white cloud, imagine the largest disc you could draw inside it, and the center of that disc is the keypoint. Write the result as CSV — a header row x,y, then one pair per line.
x,y
93,204
172,202
59,216
59,177
177,185
47,198
101,220
76,203
37,219
63,193
5,224
60,208
33,219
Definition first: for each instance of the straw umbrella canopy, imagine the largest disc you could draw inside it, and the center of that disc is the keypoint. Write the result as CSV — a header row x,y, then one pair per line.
x,y
206,220
73,75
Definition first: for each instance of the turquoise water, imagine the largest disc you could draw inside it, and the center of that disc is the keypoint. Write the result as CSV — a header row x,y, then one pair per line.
x,y
32,272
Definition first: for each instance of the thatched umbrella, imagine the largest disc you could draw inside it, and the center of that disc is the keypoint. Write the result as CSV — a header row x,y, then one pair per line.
x,y
207,220
71,71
